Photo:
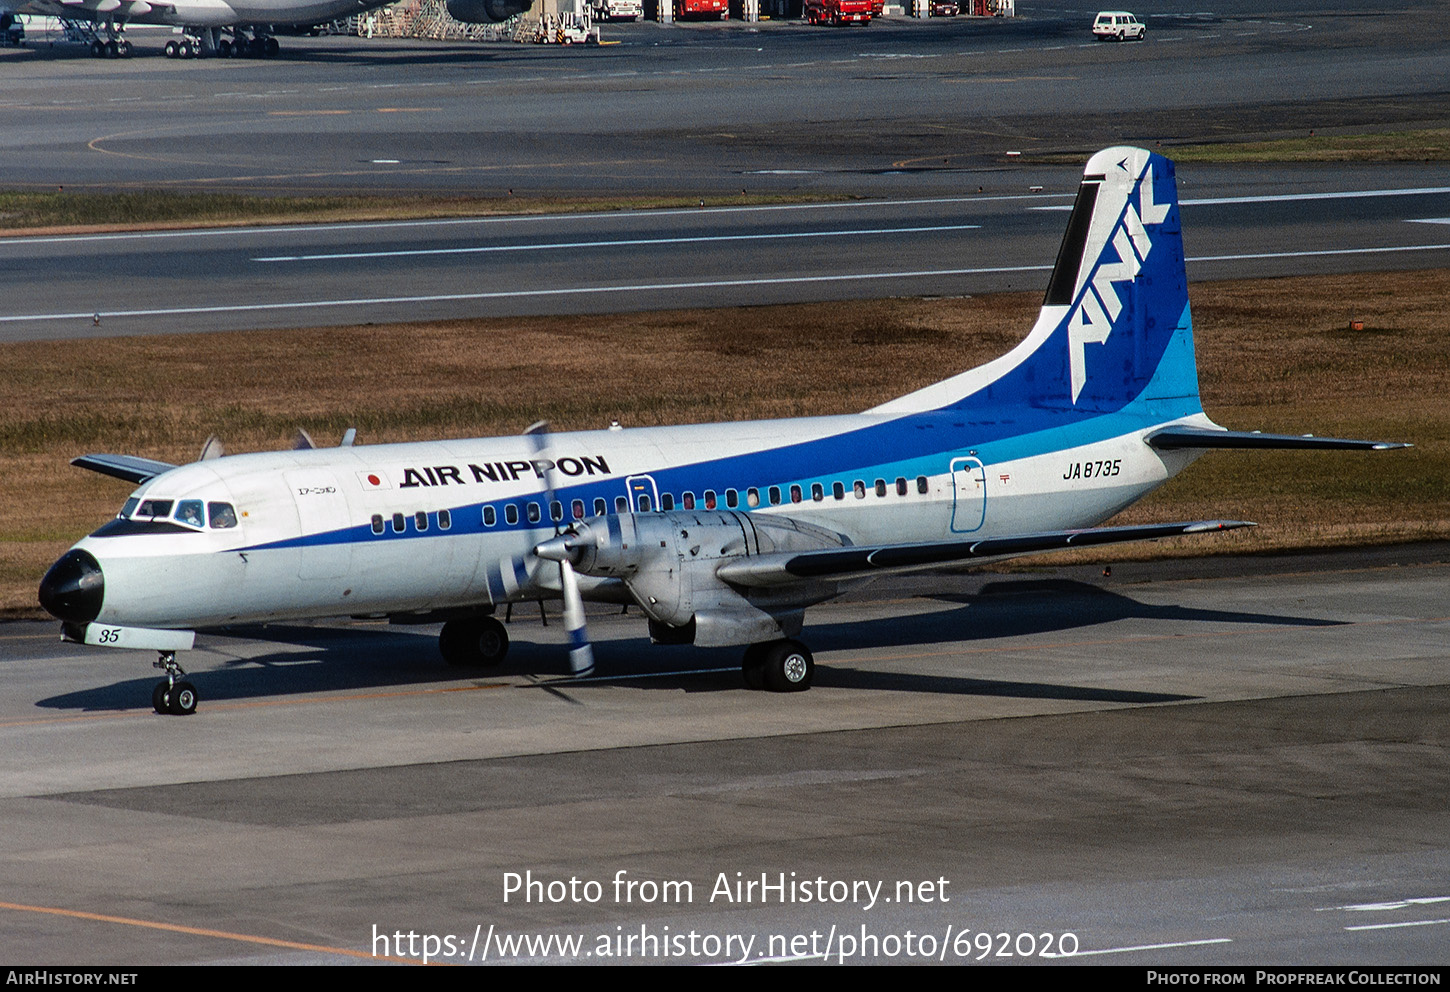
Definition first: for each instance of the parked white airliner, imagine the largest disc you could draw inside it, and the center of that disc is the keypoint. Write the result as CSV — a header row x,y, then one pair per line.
x,y
222,27
721,533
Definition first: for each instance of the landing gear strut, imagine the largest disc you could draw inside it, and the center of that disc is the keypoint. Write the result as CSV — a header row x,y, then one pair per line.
x,y
175,695
780,666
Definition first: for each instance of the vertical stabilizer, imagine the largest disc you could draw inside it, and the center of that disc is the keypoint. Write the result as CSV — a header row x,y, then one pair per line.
x,y
1115,327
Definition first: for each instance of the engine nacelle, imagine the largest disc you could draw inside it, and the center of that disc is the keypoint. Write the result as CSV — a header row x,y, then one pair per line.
x,y
668,562
483,11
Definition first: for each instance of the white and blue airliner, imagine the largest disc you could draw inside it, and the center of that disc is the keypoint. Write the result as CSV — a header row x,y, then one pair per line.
x,y
720,533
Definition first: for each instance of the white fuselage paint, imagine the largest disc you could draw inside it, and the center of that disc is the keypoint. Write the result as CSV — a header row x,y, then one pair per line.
x,y
209,577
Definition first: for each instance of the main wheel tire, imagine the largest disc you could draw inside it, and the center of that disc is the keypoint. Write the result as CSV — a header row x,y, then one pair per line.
x,y
478,641
271,47
172,49
159,702
752,667
788,666
183,699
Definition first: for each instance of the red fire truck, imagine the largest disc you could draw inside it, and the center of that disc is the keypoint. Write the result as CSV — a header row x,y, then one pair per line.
x,y
838,11
702,8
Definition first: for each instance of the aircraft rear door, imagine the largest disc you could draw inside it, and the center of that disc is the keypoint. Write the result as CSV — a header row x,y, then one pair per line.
x,y
969,495
321,510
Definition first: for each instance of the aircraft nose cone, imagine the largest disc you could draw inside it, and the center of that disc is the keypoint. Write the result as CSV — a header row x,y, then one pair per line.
x,y
73,588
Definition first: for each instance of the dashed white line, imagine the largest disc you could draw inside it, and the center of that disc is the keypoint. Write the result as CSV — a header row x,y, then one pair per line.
x,y
614,243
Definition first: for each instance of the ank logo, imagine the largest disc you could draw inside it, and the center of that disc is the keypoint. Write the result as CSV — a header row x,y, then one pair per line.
x,y
1091,321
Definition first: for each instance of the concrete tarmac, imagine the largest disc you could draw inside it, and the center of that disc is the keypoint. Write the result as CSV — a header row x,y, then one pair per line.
x,y
1204,761
904,107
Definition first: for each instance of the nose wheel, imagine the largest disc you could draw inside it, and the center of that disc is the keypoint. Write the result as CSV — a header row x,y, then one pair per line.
x,y
174,696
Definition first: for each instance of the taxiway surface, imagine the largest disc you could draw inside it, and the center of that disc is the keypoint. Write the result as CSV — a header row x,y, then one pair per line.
x,y
1237,760
220,279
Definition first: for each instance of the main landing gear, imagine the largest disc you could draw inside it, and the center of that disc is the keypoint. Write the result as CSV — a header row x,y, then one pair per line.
x,y
175,695
780,666
201,42
476,642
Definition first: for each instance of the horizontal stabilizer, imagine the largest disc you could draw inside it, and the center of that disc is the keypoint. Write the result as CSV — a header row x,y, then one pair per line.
x,y
847,563
1174,438
128,467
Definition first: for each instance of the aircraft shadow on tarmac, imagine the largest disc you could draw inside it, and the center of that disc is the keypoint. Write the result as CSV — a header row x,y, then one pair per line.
x,y
313,659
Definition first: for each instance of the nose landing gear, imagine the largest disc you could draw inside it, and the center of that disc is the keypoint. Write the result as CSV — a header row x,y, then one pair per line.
x,y
175,696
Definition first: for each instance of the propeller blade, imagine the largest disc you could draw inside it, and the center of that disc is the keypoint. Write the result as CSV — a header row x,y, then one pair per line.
x,y
212,449
348,437
581,652
303,440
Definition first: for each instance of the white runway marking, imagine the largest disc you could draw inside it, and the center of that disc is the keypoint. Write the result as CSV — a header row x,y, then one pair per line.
x,y
1376,907
1317,252
232,232
1293,197
520,293
1147,947
615,243
1396,926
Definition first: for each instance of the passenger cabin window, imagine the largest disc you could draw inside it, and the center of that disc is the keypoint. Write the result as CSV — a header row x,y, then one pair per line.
x,y
642,502
860,489
223,516
900,486
838,490
577,508
511,513
795,494
490,516
621,504
880,487
689,500
600,507
399,523
188,512
556,510
709,499
921,484
775,495
818,492
445,520
667,501
378,525
752,497
535,514
732,498
420,520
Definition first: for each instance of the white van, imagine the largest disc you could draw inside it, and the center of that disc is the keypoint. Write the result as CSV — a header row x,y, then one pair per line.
x,y
1118,25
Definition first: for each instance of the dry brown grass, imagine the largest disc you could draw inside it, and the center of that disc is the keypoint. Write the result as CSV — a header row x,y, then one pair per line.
x,y
1274,354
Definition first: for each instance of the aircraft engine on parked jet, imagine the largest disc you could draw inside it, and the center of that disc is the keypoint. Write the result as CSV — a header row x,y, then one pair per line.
x,y
481,11
668,562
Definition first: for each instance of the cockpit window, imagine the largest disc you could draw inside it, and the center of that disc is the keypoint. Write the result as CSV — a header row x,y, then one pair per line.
x,y
130,506
188,512
154,508
222,515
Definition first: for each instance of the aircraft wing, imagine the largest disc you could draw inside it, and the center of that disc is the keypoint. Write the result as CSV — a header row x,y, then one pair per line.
x,y
860,562
129,467
1172,438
